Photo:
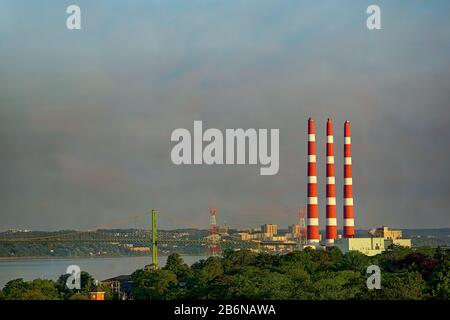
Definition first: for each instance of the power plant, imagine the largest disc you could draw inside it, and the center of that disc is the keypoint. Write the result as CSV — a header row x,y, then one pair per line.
x,y
313,204
269,237
371,245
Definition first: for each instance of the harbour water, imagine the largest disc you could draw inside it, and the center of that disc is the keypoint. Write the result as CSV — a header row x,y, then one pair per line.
x,y
99,268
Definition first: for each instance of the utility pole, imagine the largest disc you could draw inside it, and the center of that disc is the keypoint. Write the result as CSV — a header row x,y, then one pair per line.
x,y
154,241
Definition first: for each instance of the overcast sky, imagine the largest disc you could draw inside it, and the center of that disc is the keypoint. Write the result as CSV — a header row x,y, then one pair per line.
x,y
86,116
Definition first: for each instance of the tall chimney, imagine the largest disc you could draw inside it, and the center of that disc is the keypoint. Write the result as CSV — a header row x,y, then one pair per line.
x,y
349,222
313,208
331,231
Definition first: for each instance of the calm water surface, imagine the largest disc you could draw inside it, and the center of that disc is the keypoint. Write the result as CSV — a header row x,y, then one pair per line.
x,y
99,268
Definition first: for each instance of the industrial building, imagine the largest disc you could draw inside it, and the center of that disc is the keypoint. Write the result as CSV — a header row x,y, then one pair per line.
x,y
387,233
379,239
369,246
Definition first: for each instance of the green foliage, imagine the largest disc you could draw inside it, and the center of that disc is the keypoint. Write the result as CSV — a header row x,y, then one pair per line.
x,y
87,283
154,284
234,260
440,280
37,289
254,283
340,285
78,296
389,259
15,289
355,261
399,286
427,251
406,274
207,270
176,264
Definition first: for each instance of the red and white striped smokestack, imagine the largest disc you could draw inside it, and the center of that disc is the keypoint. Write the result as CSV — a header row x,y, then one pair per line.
x,y
331,231
313,208
349,221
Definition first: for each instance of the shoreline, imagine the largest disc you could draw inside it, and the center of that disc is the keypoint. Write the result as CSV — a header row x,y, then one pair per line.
x,y
85,257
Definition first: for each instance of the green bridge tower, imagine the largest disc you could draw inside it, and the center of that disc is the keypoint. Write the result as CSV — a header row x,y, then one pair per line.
x,y
154,241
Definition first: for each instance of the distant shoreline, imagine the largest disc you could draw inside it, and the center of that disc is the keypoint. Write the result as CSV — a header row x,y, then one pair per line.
x,y
84,257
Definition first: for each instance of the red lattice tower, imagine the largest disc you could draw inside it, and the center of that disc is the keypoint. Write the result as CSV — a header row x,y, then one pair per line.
x,y
214,238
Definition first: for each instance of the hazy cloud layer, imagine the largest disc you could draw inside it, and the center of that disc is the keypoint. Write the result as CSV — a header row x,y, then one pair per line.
x,y
86,116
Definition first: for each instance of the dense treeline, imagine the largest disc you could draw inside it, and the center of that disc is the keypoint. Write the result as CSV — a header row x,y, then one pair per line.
x,y
422,273
308,274
43,289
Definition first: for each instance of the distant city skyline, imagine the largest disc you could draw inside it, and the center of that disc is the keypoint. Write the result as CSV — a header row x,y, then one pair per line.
x,y
86,115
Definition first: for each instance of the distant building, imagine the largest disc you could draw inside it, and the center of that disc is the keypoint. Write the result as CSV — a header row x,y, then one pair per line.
x,y
253,236
381,239
239,229
278,238
98,295
367,246
398,242
295,230
386,233
223,229
243,235
19,231
271,229
140,249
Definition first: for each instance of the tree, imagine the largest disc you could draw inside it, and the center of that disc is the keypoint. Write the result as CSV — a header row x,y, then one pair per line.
x,y
154,285
419,262
207,270
78,296
440,280
304,259
301,280
265,260
355,261
176,264
87,283
203,274
254,283
335,257
37,289
399,286
340,285
388,259
234,260
44,289
14,289
427,251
